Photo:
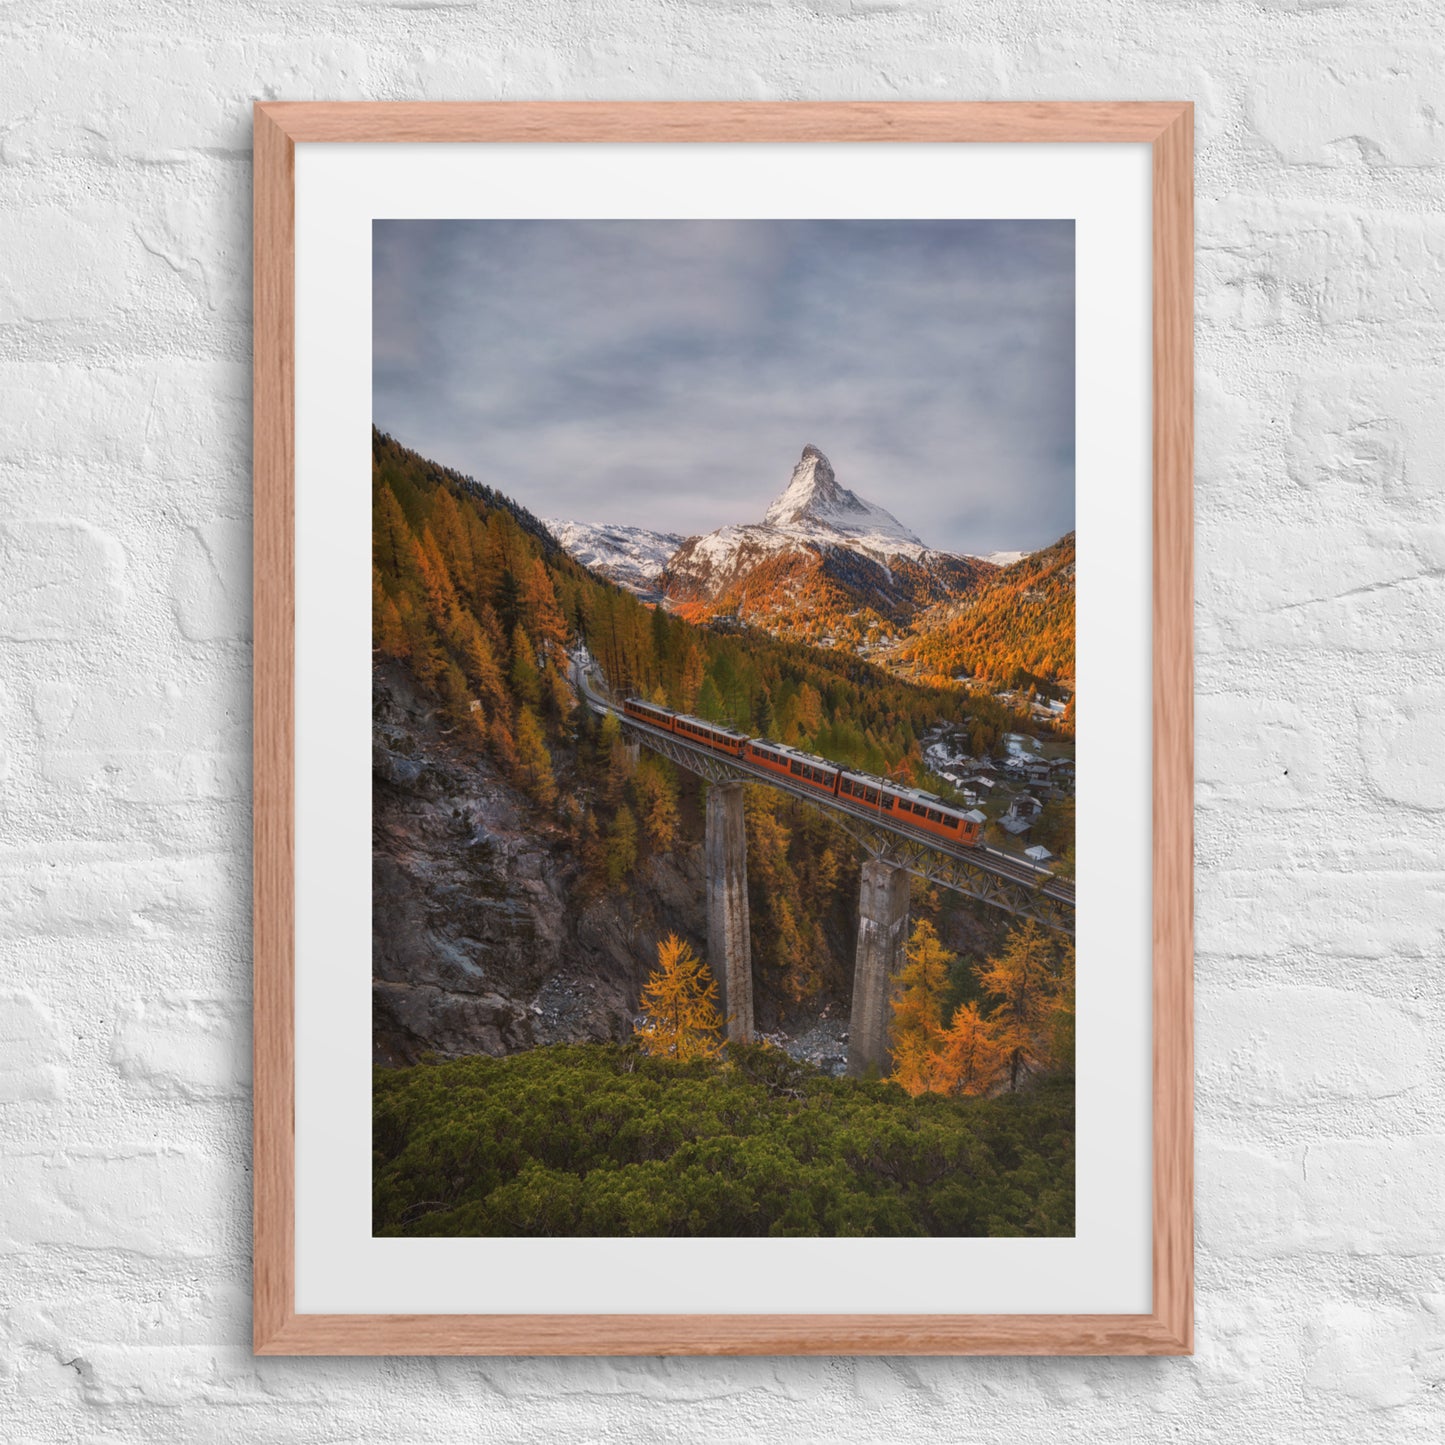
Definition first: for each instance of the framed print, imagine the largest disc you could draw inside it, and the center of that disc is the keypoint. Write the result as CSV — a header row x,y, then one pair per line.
x,y
723,728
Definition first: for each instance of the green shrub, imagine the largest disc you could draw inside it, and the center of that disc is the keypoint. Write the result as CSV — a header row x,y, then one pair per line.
x,y
597,1139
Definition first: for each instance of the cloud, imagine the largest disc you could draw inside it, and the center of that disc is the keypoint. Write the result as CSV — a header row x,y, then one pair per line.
x,y
668,373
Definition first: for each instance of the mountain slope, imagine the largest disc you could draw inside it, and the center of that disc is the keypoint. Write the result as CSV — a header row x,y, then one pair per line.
x,y
630,556
1016,628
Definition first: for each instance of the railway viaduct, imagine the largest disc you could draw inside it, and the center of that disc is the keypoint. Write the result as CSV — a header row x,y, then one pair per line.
x,y
893,855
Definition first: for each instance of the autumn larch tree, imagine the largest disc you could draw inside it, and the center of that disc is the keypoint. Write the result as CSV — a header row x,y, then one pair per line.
x,y
679,1005
534,763
657,803
621,846
970,1059
1022,980
539,603
917,1034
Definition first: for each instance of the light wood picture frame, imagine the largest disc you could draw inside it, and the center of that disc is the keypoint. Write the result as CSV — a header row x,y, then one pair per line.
x,y
1166,127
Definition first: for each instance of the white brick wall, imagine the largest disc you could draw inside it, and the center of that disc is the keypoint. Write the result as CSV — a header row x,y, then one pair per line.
x,y
124,695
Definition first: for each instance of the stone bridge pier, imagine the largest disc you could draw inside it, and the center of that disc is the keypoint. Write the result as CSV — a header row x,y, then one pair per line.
x,y
729,947
882,940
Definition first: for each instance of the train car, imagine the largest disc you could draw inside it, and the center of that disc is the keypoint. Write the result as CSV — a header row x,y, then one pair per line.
x,y
712,735
915,809
813,772
649,713
772,756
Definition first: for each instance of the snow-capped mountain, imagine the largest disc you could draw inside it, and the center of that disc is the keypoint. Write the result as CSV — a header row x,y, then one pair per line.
x,y
630,556
813,517
815,508
823,562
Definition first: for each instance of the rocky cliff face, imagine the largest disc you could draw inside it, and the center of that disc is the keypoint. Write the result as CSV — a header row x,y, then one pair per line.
x,y
478,945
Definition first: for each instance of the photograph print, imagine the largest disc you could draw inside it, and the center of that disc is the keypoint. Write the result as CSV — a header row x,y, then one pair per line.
x,y
723,700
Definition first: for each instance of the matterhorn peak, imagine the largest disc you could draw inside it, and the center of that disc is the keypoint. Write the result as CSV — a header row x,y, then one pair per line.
x,y
814,503
812,493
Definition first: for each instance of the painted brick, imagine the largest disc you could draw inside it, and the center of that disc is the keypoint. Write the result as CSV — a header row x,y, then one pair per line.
x,y
193,1048
68,262
1372,107
32,1057
78,97
63,578
190,414
58,892
1383,1356
1354,914
140,743
1268,263
1258,750
1252,1206
1400,738
1313,561
1405,615
1355,1046
211,581
1366,434
136,1199
1375,1196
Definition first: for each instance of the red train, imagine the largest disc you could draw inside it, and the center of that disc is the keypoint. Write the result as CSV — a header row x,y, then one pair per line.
x,y
909,806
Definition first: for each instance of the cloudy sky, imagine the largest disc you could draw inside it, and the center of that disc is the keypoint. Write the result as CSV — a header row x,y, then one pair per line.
x,y
667,374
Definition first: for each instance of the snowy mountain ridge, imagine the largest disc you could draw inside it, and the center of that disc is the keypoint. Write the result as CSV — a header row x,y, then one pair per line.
x,y
630,556
822,561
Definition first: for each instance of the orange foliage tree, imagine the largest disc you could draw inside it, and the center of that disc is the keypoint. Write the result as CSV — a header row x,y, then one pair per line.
x,y
970,1060
1023,981
918,1010
679,1003
1028,1026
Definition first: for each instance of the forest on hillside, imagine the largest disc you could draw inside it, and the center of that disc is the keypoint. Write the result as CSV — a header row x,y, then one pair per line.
x,y
1014,630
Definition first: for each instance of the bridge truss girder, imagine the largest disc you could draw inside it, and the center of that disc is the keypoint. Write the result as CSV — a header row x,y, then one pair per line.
x,y
1020,897
961,875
